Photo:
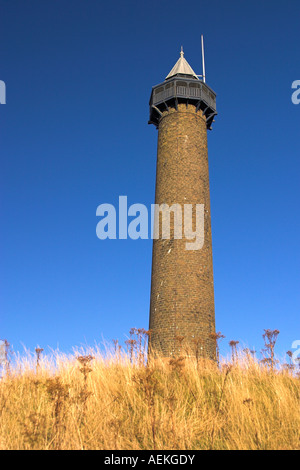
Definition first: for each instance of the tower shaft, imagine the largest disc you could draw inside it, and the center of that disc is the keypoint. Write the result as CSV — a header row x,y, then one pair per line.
x,y
182,314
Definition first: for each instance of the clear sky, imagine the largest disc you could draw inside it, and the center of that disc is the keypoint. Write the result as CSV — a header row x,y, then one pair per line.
x,y
74,134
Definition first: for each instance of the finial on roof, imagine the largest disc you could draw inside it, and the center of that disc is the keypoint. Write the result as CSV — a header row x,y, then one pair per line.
x,y
182,67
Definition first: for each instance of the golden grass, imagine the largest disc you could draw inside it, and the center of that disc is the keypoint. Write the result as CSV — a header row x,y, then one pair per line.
x,y
110,403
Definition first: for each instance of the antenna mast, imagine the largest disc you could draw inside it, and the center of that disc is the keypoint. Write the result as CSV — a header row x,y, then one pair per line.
x,y
203,59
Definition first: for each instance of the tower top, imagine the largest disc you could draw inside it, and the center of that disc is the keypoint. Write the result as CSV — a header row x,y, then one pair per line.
x,y
182,67
182,85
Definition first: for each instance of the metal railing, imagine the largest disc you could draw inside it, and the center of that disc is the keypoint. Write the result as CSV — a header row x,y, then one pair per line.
x,y
186,92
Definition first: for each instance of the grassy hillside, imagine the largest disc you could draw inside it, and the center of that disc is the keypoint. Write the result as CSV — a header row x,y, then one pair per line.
x,y
116,402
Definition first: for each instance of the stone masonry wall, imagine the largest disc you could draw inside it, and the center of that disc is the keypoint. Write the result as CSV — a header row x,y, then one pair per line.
x,y
182,292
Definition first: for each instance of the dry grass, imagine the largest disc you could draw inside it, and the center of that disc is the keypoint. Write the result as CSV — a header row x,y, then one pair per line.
x,y
118,403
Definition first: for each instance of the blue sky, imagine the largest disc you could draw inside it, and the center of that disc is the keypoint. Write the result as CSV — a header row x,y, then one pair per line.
x,y
74,134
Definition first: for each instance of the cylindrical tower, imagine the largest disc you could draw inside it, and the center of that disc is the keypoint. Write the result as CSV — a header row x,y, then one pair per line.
x,y
182,316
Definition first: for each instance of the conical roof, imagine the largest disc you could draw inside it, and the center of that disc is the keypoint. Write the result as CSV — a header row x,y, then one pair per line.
x,y
182,67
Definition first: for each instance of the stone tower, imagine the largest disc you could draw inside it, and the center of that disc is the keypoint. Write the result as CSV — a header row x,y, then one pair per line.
x,y
182,315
